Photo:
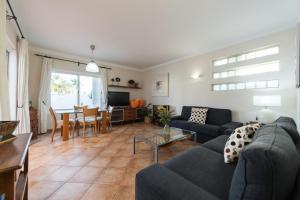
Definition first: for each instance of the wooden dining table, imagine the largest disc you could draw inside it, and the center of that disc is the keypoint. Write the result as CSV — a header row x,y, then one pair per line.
x,y
65,113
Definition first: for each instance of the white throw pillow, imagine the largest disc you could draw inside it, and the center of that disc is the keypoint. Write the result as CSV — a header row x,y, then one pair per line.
x,y
237,141
198,115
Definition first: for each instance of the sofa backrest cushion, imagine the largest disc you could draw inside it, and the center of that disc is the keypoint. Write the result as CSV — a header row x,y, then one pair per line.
x,y
289,125
215,116
267,168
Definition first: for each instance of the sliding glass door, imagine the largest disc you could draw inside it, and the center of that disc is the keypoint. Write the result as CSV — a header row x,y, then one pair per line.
x,y
68,90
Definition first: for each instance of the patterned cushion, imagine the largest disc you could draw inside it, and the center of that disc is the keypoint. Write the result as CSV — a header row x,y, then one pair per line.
x,y
237,142
198,115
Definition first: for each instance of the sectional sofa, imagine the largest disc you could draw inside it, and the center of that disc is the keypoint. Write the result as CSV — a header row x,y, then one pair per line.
x,y
268,168
217,122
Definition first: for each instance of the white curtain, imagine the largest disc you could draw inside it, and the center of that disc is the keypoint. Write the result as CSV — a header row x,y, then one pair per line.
x,y
22,91
103,75
4,95
43,101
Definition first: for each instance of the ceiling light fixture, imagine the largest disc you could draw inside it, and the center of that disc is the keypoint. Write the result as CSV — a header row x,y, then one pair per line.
x,y
92,66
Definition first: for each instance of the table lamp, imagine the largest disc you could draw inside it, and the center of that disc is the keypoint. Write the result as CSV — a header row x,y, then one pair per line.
x,y
266,115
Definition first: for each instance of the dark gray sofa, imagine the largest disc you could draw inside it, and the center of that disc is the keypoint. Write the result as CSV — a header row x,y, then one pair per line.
x,y
217,122
267,169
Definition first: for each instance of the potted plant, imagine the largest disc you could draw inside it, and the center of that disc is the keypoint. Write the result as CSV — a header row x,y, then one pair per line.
x,y
165,119
147,113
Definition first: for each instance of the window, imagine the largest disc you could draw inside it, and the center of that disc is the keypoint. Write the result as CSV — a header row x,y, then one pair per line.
x,y
246,85
249,70
68,90
247,56
238,69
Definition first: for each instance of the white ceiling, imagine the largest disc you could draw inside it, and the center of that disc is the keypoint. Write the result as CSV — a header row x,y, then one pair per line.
x,y
144,33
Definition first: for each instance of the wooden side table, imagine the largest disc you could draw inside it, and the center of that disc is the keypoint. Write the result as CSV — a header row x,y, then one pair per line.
x,y
14,168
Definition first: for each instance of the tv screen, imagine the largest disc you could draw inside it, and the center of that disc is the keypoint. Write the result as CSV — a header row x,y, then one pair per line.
x,y
118,98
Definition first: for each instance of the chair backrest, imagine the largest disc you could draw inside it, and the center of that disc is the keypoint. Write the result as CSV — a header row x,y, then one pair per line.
x,y
90,112
53,118
79,107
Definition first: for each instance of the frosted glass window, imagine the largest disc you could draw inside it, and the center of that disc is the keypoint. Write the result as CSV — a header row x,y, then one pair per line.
x,y
232,60
241,57
250,85
224,75
232,86
247,56
250,55
273,50
216,75
261,84
273,84
223,87
231,73
216,87
240,86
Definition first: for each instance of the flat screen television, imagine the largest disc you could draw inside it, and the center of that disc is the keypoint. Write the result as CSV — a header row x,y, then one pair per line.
x,y
118,98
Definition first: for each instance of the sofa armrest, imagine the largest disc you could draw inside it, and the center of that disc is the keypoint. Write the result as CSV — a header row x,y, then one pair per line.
x,y
177,117
159,183
229,127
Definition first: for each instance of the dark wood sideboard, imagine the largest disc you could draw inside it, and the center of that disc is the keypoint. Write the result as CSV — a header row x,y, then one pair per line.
x,y
128,114
34,122
14,168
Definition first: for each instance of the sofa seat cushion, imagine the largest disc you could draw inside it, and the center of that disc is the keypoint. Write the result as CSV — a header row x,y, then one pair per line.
x,y
182,124
203,167
217,144
206,129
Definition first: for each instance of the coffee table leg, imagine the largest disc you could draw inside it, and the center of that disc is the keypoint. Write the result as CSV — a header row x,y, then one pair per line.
x,y
133,144
156,154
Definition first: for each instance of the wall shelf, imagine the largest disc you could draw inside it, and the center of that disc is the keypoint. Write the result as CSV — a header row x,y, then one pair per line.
x,y
123,86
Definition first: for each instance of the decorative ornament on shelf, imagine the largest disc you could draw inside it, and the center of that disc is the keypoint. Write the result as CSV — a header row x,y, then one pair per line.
x,y
92,66
118,80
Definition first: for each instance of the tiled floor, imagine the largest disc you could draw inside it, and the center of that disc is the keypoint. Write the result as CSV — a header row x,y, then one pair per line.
x,y
94,167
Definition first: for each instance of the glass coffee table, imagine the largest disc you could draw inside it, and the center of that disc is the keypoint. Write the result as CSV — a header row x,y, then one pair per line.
x,y
157,139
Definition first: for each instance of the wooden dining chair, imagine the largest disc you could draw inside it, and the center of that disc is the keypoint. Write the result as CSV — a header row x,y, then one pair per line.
x,y
78,116
58,123
109,115
108,118
89,119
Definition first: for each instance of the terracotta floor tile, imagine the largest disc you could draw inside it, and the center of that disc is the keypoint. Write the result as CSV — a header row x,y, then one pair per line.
x,y
111,175
63,174
86,175
101,192
43,189
41,172
99,161
64,169
119,162
124,192
68,191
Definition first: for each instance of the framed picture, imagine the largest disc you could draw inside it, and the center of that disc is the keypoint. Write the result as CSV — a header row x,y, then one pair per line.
x,y
160,85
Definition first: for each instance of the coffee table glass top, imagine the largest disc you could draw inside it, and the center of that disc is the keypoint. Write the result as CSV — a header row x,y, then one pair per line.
x,y
158,138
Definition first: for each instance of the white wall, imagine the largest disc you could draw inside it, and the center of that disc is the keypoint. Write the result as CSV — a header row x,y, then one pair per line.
x,y
186,91
35,64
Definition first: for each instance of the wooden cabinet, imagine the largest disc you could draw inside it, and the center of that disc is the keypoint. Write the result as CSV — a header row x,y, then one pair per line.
x,y
14,168
34,123
129,114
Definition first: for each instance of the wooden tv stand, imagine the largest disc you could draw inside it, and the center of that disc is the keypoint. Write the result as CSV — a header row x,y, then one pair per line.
x,y
127,114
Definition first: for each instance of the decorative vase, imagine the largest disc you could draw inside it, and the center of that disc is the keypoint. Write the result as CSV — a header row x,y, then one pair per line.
x,y
166,131
147,120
